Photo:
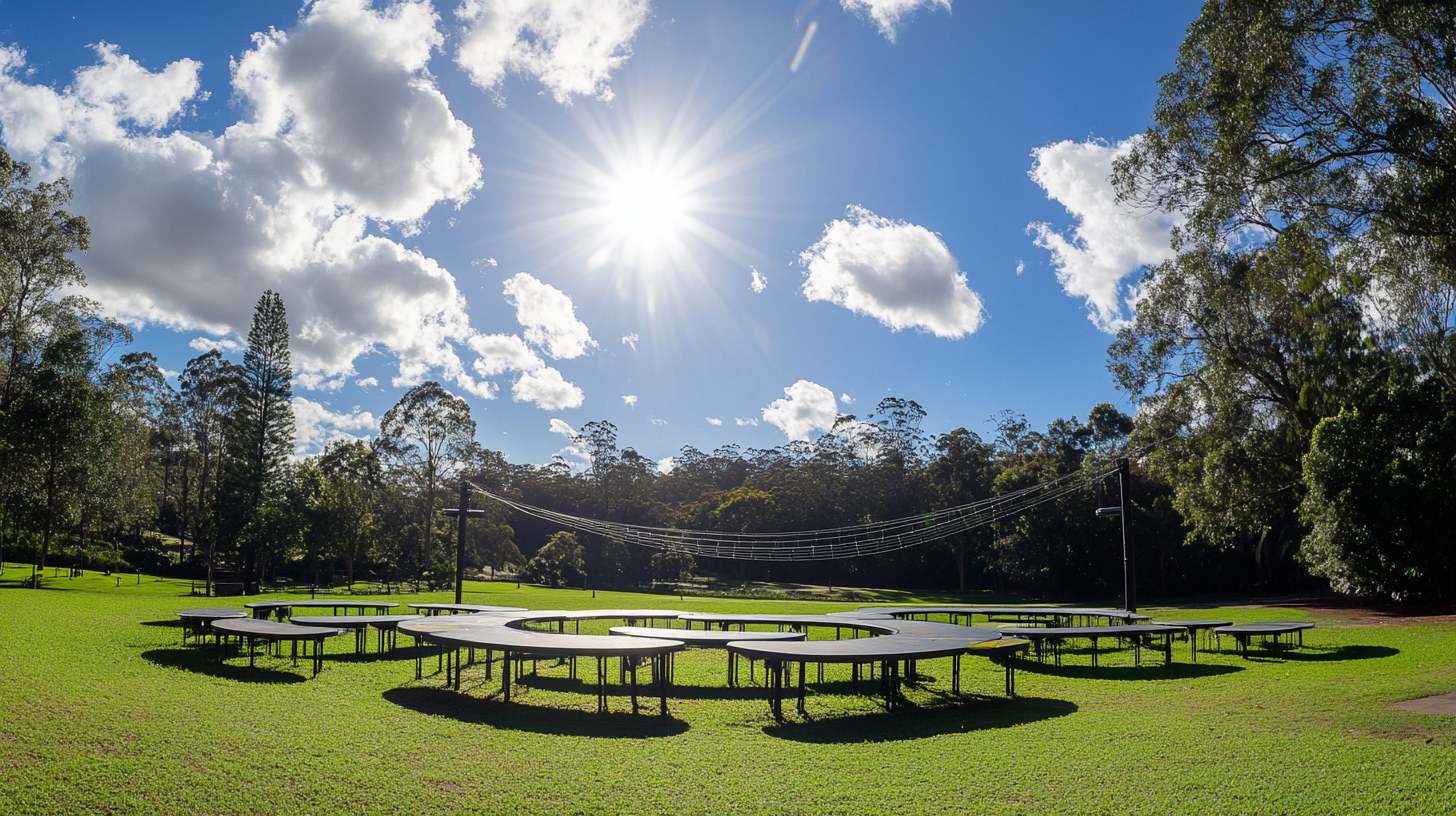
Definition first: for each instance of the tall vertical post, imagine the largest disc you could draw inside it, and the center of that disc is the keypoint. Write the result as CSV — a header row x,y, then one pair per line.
x,y
460,542
1129,548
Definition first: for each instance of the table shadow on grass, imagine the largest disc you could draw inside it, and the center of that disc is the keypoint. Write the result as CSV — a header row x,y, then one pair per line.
x,y
1086,671
1320,654
199,661
911,722
522,716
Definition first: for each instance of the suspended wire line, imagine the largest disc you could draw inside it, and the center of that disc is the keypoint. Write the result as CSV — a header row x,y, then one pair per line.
x,y
821,545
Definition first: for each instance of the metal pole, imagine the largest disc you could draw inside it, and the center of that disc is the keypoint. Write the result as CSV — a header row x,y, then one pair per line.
x,y
460,545
1129,548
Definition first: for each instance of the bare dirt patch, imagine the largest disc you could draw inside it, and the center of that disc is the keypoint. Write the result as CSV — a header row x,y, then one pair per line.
x,y
1437,704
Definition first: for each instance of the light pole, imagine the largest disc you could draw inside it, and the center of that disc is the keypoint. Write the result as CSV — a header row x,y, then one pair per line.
x,y
463,512
1129,548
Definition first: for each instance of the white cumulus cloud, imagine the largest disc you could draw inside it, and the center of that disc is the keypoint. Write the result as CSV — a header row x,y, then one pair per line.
x,y
846,399
887,14
570,46
808,406
746,421
206,344
549,317
631,340
1109,241
559,426
343,126
666,465
901,274
318,382
630,400
758,282
314,425
547,389
713,420
367,382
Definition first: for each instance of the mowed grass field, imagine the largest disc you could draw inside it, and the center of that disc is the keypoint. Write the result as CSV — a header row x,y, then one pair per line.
x,y
103,710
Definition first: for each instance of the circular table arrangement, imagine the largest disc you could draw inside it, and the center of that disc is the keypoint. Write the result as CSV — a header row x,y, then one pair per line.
x,y
889,639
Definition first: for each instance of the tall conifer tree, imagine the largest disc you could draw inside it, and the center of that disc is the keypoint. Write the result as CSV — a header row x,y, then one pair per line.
x,y
260,432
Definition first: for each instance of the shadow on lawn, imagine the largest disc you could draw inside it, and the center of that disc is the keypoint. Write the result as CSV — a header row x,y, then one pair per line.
x,y
1320,654
1176,671
514,716
199,660
971,713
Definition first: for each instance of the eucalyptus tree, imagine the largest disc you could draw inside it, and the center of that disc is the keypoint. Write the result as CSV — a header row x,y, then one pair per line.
x,y
53,424
38,270
426,438
961,473
346,520
209,386
124,456
1311,147
38,279
259,437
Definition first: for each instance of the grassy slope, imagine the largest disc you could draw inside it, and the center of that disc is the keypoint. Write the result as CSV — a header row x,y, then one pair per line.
x,y
102,710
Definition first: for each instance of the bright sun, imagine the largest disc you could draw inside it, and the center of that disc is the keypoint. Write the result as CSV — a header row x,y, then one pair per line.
x,y
641,201
647,207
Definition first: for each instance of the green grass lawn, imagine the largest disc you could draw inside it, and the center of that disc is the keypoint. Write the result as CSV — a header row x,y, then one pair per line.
x,y
102,710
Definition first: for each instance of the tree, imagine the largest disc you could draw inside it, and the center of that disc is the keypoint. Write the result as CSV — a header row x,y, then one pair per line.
x,y
345,516
1380,487
210,386
672,566
260,430
37,241
426,437
53,421
1235,356
558,564
961,474
1311,147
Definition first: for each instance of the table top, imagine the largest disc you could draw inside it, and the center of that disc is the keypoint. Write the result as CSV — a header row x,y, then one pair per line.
x,y
1194,624
213,613
451,607
352,621
272,630
1264,628
554,615
704,637
321,603
898,647
1088,631
506,638
1067,611
881,625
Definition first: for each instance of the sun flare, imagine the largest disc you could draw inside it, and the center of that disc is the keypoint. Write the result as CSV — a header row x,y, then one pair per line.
x,y
647,207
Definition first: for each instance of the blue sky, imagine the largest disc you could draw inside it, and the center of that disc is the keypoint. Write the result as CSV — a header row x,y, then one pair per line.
x,y
570,211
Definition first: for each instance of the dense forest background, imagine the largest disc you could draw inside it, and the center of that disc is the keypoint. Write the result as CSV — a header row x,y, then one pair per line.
x,y
1292,370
